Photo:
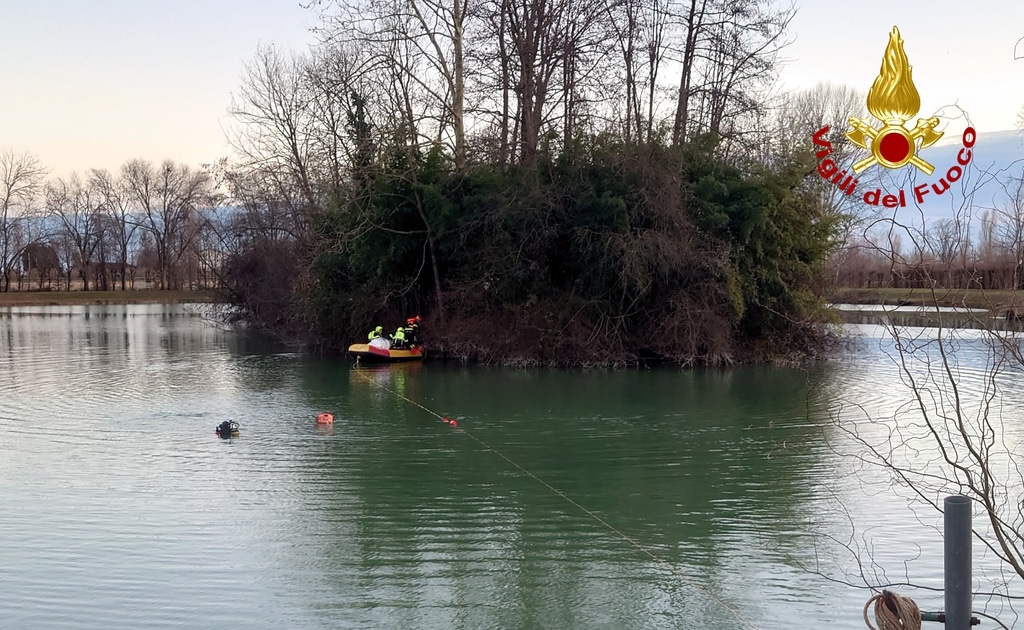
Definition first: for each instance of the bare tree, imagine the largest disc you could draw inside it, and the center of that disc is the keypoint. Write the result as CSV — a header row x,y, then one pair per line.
x,y
548,40
342,150
640,32
66,251
266,208
274,106
490,84
117,204
21,181
585,51
106,252
168,198
695,16
78,208
656,25
799,115
945,239
1010,229
625,20
988,235
422,45
729,57
443,25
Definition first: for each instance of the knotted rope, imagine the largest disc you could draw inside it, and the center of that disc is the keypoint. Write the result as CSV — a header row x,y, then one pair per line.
x,y
893,612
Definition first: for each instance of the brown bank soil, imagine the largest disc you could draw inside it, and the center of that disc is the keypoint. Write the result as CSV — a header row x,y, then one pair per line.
x,y
137,296
993,300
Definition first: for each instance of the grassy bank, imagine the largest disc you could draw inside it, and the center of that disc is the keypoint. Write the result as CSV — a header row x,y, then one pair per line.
x,y
137,296
971,298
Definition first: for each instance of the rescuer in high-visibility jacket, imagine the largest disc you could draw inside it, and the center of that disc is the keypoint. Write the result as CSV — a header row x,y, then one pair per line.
x,y
398,339
412,328
376,333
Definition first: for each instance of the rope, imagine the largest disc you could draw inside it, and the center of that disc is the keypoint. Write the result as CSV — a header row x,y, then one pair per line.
x,y
893,612
632,541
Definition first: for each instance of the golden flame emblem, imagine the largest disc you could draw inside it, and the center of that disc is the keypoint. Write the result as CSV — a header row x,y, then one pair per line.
x,y
894,100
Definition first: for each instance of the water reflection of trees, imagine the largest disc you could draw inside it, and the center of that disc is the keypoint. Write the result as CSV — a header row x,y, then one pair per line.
x,y
130,342
699,466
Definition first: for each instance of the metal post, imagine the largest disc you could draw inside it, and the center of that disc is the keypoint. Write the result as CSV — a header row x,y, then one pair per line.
x,y
957,525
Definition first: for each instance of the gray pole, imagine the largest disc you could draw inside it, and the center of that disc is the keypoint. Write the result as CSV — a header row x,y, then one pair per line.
x,y
957,524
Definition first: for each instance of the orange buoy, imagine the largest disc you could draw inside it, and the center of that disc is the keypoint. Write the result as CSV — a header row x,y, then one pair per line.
x,y
325,418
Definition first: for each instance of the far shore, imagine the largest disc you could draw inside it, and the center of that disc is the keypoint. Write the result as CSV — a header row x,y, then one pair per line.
x,y
989,299
129,296
992,300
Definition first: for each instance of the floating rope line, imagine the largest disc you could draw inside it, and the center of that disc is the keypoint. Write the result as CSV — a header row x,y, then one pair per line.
x,y
632,541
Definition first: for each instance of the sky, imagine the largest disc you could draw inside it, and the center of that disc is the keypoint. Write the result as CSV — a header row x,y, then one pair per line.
x,y
961,52
94,83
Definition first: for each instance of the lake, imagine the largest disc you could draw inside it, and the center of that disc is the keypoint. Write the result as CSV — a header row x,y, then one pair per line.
x,y
564,499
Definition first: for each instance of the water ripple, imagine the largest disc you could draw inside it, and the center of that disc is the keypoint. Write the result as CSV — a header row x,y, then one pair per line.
x,y
123,510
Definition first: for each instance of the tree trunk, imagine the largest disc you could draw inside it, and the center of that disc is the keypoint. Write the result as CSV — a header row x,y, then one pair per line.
x,y
693,25
503,127
568,76
437,282
459,88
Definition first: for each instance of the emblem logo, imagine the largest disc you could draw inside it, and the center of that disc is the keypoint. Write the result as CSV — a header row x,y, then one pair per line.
x,y
893,100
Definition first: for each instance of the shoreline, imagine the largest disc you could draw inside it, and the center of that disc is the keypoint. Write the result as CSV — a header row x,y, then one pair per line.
x,y
973,298
996,301
129,296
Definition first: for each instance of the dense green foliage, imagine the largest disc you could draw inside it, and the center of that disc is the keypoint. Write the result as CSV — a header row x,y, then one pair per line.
x,y
621,254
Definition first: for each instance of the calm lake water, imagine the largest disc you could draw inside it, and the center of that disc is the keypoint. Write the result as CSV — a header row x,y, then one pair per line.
x,y
564,499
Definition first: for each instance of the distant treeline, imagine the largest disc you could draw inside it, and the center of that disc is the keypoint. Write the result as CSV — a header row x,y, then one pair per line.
x,y
159,225
944,253
881,270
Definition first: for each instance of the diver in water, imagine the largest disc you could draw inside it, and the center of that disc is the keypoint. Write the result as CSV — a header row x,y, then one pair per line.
x,y
227,429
